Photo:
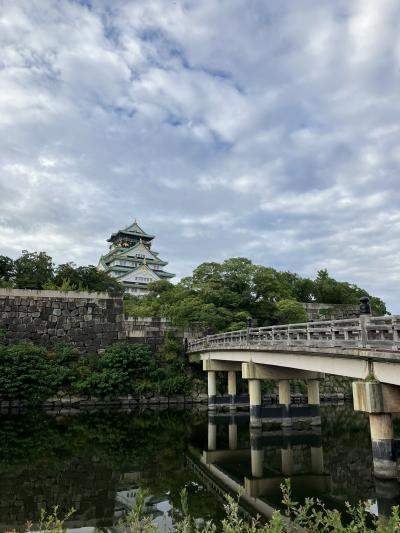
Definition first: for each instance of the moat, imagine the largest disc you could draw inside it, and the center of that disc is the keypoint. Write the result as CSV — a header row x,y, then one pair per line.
x,y
96,463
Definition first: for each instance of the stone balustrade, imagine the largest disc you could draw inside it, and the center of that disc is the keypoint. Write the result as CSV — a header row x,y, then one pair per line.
x,y
363,332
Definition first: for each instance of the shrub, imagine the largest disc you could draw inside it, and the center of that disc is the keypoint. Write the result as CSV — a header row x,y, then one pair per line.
x,y
27,373
117,370
290,312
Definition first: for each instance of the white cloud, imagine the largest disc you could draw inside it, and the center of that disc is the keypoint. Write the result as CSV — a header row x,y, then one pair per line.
x,y
270,131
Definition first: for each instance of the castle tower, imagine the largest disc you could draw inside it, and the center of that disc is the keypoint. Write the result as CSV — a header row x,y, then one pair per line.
x,y
131,260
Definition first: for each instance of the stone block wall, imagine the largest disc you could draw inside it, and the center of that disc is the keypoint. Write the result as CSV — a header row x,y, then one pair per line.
x,y
88,321
149,330
318,312
152,331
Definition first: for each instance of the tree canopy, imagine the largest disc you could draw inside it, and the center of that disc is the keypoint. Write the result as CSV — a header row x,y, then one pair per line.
x,y
220,296
223,295
36,270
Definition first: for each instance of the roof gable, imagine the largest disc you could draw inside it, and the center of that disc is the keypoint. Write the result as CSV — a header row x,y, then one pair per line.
x,y
139,248
134,228
142,271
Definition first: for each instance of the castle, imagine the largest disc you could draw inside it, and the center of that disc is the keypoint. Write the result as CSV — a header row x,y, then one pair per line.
x,y
132,261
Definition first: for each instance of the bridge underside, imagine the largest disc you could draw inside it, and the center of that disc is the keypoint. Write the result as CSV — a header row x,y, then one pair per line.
x,y
375,390
353,363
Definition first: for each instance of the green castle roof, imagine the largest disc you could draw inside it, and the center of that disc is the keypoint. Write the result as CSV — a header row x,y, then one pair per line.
x,y
135,230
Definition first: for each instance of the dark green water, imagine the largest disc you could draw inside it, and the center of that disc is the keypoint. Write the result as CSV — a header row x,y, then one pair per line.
x,y
97,462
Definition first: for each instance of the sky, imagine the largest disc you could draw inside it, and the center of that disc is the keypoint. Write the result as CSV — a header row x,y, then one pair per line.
x,y
233,128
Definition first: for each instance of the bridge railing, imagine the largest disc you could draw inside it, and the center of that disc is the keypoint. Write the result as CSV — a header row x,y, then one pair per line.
x,y
364,332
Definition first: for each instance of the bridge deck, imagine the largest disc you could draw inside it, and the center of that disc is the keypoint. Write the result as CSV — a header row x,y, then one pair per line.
x,y
351,347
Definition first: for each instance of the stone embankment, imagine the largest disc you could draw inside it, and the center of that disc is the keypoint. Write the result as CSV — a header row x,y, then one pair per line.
x,y
88,321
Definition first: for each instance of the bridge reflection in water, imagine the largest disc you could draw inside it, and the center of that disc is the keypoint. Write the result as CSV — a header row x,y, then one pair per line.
x,y
255,463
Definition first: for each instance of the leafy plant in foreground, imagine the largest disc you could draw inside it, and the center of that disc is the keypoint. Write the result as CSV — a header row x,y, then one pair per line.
x,y
311,517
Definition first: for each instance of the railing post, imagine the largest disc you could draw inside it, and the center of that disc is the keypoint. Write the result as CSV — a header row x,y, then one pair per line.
x,y
365,315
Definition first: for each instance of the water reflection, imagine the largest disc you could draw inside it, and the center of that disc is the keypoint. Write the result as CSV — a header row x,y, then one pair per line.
x,y
97,462
334,464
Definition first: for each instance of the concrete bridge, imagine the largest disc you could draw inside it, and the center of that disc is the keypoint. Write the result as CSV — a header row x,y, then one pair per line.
x,y
366,349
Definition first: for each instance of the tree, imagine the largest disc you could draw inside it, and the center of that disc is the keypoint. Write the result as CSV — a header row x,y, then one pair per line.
x,y
222,296
85,278
290,312
33,270
6,268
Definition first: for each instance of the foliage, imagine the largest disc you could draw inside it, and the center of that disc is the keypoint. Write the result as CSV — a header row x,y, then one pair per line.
x,y
311,517
7,268
28,373
290,312
31,374
50,521
221,296
121,369
86,278
170,349
33,270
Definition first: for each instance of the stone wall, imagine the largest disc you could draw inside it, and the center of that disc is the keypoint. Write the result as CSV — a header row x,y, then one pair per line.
x,y
317,312
152,331
88,321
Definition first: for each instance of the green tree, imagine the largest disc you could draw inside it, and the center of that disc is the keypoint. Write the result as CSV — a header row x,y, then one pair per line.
x,y
222,295
7,268
121,369
27,373
33,270
85,278
290,312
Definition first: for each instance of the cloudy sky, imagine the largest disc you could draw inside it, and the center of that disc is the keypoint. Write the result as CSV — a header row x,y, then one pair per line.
x,y
259,128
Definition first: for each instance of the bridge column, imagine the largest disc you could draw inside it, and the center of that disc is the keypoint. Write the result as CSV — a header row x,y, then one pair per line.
x,y
287,460
255,402
383,445
387,495
285,399
212,389
232,389
212,435
379,400
256,454
232,432
314,400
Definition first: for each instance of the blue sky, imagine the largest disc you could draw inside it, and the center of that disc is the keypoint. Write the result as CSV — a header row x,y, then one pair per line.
x,y
249,128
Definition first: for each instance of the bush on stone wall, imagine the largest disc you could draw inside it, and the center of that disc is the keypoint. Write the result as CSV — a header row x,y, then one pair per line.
x,y
28,373
121,369
31,374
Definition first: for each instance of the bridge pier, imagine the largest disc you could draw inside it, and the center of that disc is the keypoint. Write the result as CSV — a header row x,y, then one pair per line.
x,y
257,458
212,367
380,401
212,389
285,400
255,373
232,389
314,399
287,461
212,435
232,434
255,402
